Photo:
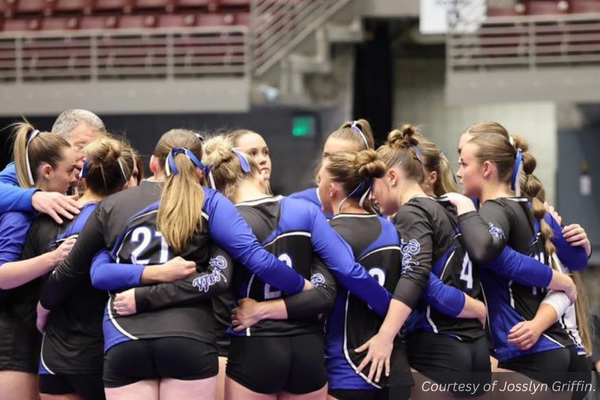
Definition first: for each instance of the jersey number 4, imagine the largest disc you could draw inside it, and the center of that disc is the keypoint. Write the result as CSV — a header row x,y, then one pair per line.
x,y
466,273
275,294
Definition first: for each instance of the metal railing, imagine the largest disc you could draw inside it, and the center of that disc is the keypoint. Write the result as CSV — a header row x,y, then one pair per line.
x,y
526,42
278,26
108,55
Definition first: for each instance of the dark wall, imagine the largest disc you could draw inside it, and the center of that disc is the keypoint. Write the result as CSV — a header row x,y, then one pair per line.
x,y
576,147
293,158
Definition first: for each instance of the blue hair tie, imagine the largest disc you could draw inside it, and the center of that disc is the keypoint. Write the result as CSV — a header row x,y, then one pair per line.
x,y
419,154
514,181
243,161
171,167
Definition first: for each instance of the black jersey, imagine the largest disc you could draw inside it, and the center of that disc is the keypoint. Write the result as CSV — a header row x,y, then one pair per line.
x,y
142,244
280,226
351,323
19,339
432,243
73,342
509,222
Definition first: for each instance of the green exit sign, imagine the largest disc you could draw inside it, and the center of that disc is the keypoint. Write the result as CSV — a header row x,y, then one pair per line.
x,y
304,126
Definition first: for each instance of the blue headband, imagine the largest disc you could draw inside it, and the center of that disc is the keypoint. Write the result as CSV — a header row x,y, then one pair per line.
x,y
357,129
514,182
171,168
86,167
419,154
243,161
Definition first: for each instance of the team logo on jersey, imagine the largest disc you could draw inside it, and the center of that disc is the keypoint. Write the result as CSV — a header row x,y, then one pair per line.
x,y
495,231
317,280
218,264
408,250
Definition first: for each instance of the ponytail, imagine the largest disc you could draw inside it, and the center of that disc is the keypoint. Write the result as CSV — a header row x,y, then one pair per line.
x,y
180,211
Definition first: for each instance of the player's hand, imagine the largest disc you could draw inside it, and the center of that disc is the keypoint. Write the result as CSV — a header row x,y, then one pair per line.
x,y
55,205
552,211
307,285
379,353
62,251
42,318
124,303
524,335
176,269
462,203
246,314
575,235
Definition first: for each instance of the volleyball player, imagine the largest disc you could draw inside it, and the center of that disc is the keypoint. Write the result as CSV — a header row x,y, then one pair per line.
x,y
489,172
72,350
43,161
350,136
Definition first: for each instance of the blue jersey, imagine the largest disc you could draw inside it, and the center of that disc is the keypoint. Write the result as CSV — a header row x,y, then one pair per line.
x,y
351,323
312,196
14,198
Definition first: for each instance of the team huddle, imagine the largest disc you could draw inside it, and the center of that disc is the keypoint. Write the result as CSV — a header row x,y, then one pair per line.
x,y
200,283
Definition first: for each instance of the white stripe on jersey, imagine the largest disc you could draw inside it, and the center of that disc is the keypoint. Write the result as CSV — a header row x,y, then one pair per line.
x,y
297,233
380,249
259,201
42,356
346,355
114,322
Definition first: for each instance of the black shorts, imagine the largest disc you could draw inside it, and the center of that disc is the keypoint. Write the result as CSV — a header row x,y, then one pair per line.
x,y
580,370
547,367
272,364
395,393
170,357
88,386
445,359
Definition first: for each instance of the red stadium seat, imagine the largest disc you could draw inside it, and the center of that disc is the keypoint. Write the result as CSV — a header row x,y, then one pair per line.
x,y
121,5
166,5
137,21
97,22
176,20
33,6
81,6
583,7
14,25
234,3
195,3
546,7
214,19
59,23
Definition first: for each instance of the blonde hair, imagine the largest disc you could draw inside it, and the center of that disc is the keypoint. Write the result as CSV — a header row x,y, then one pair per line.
x,y
180,211
45,147
348,131
353,169
487,127
401,150
133,161
107,168
227,170
435,161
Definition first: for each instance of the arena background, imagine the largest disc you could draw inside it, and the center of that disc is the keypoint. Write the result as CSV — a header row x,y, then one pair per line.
x,y
294,70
